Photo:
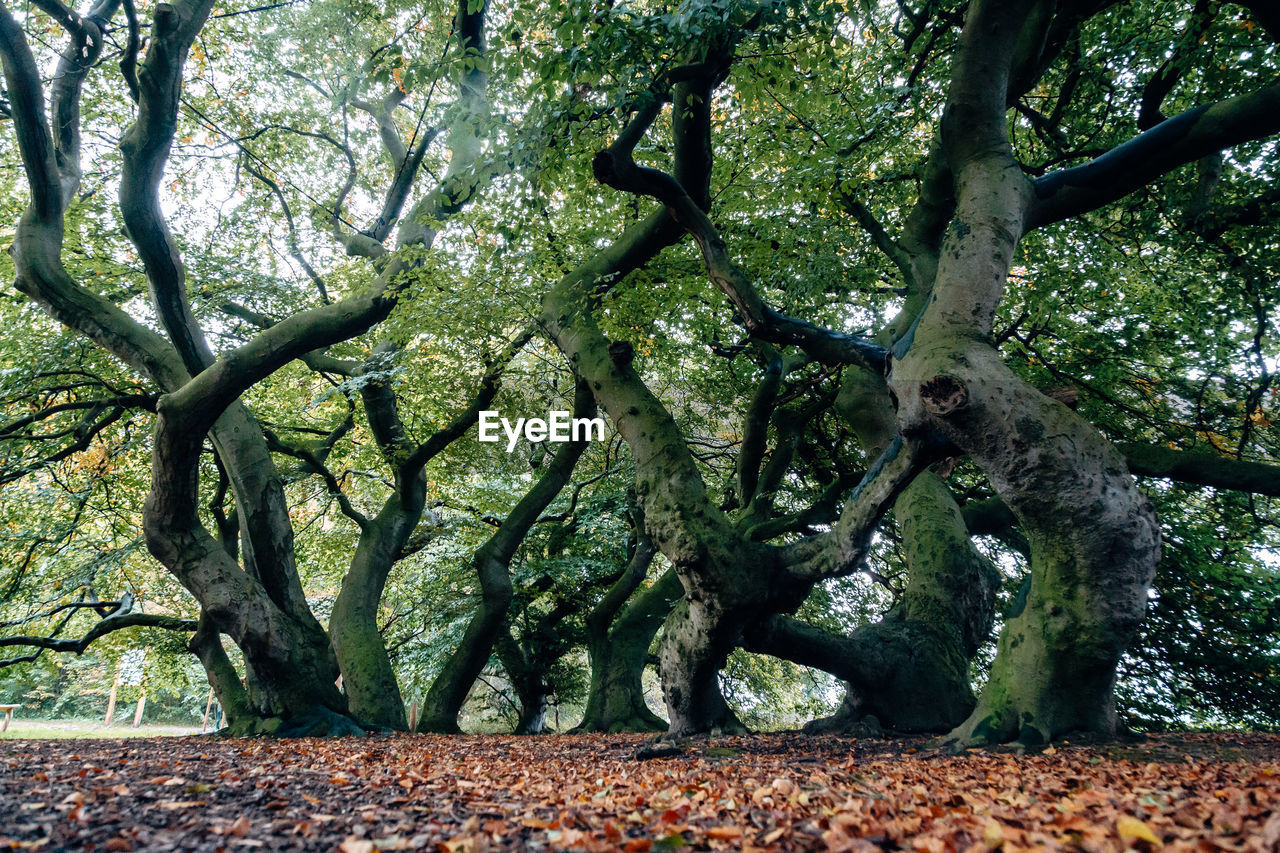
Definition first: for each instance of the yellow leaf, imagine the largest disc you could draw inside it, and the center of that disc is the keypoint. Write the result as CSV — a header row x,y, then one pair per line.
x,y
1130,828
993,836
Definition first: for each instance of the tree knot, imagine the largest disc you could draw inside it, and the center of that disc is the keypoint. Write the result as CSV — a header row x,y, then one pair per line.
x,y
622,353
943,395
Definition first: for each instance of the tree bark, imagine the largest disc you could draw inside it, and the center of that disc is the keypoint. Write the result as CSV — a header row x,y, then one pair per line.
x,y
371,684
526,674
372,690
730,581
911,669
206,645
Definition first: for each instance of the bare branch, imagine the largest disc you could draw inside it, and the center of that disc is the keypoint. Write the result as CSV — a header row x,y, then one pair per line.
x,y
317,466
291,241
843,550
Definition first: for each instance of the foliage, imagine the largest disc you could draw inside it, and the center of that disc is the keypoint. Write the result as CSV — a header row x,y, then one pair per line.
x,y
1158,311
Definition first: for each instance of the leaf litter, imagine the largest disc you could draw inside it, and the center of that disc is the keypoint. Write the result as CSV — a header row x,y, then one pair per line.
x,y
463,794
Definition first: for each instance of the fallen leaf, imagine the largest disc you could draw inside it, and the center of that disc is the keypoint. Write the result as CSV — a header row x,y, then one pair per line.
x,y
180,804
1131,829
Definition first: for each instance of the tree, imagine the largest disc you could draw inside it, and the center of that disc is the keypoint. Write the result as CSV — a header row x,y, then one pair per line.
x,y
1094,539
943,302
258,600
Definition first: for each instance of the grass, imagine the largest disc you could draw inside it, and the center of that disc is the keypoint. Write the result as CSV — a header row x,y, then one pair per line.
x,y
21,729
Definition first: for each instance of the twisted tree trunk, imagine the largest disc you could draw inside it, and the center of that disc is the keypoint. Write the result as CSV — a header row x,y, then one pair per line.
x,y
1094,539
911,669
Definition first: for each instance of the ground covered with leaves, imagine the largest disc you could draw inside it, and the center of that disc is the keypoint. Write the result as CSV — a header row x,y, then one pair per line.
x,y
776,792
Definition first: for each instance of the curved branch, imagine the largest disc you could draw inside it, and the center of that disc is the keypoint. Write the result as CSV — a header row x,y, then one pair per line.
x,y
615,167
316,465
120,618
26,106
146,146
842,550
291,241
1174,142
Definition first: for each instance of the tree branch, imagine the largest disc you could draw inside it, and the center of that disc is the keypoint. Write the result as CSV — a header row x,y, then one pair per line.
x,y
843,550
1202,469
1174,142
146,146
615,167
316,465
120,618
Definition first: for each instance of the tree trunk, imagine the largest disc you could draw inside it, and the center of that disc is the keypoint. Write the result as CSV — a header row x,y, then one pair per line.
x,y
372,691
615,700
291,665
1094,548
206,645
449,690
1094,538
533,713
208,707
526,674
111,699
911,669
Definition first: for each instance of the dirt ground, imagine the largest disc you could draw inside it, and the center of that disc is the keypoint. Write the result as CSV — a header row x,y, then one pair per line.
x,y
779,792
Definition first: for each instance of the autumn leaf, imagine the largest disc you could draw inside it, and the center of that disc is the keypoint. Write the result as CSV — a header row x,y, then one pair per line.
x,y
356,845
1131,829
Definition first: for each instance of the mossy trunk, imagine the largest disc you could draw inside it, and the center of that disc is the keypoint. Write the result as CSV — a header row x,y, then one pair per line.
x,y
449,690
1094,539
619,653
367,676
526,674
697,638
1094,548
911,669
291,666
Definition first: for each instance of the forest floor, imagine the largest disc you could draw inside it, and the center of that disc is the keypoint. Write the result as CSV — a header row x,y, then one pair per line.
x,y
1194,792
